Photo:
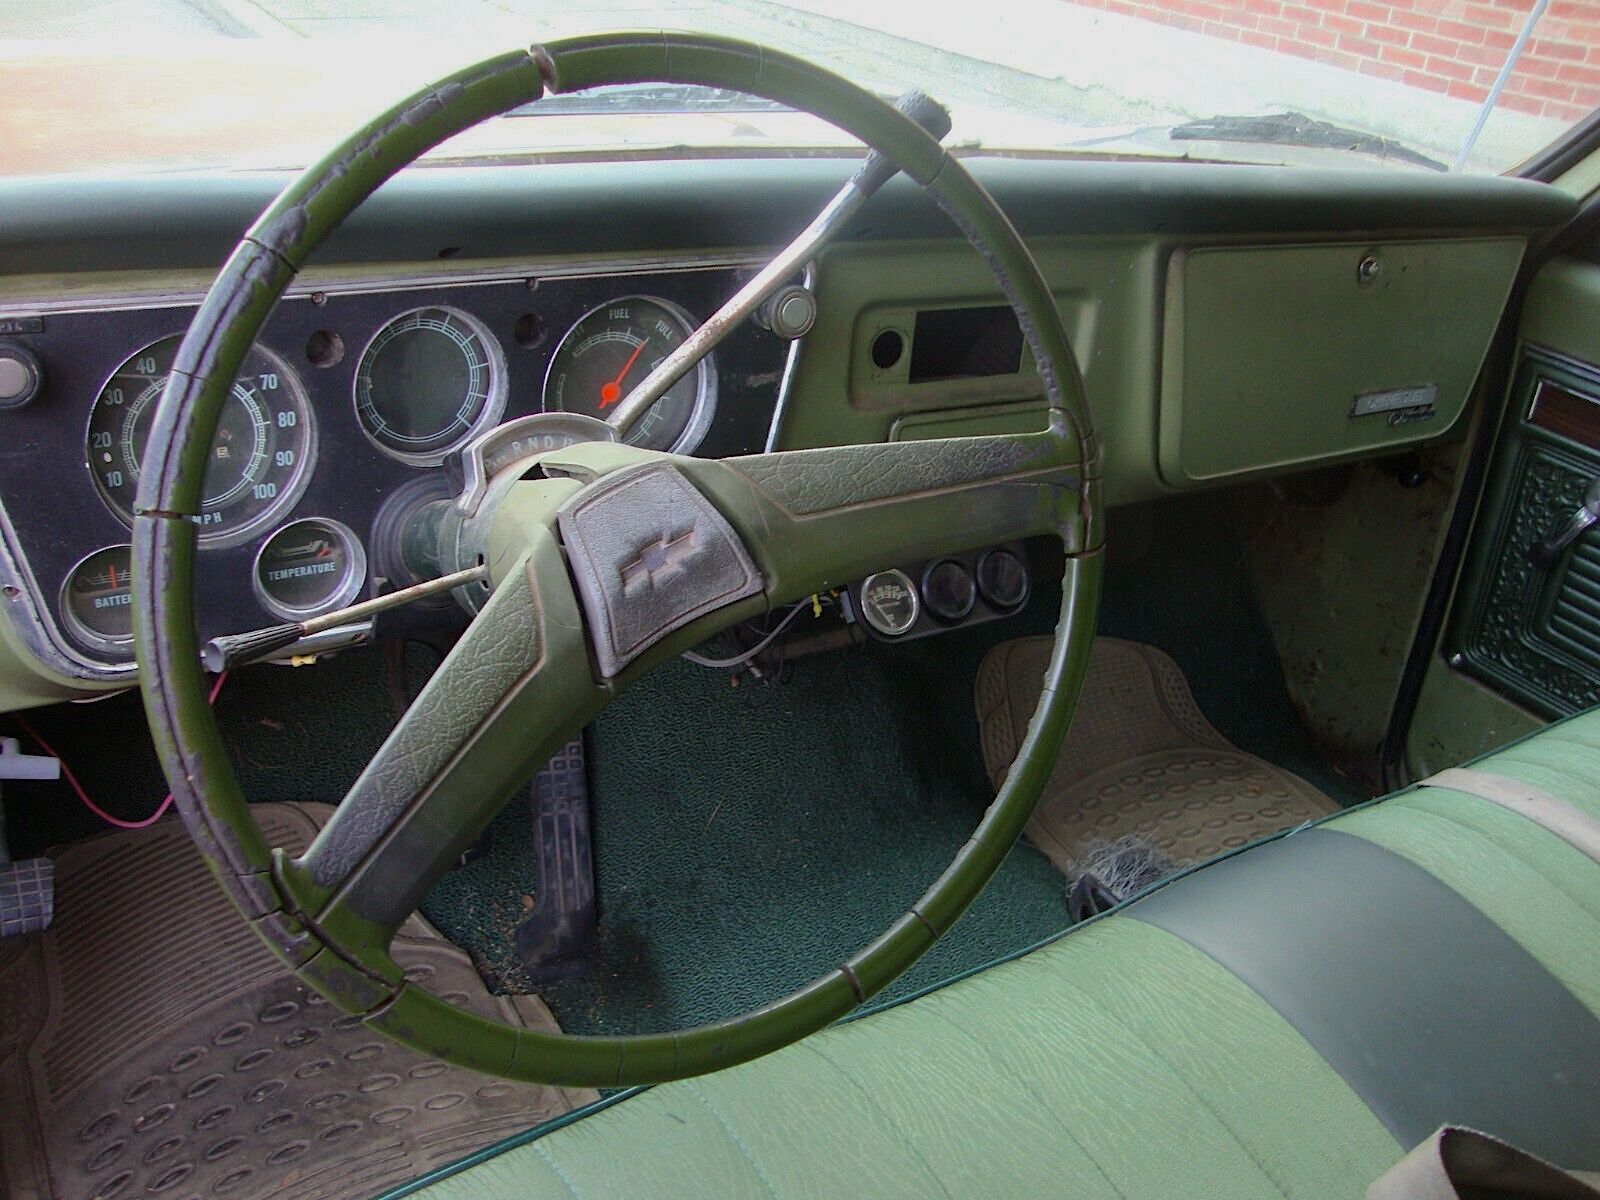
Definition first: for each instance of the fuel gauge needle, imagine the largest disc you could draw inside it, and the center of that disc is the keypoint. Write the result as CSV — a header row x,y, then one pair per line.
x,y
611,390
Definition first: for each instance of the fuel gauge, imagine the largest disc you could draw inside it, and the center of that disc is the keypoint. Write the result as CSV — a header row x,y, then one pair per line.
x,y
308,567
97,601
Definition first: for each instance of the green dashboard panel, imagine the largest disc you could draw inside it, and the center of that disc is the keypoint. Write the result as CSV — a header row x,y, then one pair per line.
x,y
1203,363
1281,356
1111,237
1109,287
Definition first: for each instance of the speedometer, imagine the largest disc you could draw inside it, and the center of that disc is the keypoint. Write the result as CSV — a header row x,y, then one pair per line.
x,y
260,457
611,349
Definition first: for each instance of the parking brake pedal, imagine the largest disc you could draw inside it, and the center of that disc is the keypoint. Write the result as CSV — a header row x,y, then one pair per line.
x,y
556,940
27,888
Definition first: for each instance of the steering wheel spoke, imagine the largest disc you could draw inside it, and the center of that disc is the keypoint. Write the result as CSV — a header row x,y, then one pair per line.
x,y
826,517
511,692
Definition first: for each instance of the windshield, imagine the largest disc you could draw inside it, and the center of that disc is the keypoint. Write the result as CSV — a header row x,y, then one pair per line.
x,y
1415,85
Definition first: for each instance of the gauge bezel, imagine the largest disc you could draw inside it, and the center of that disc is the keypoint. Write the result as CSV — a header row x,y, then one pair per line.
x,y
287,497
494,406
949,618
705,400
74,625
355,573
988,598
868,614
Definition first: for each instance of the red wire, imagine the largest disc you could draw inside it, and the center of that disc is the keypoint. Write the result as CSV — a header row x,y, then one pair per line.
x,y
72,780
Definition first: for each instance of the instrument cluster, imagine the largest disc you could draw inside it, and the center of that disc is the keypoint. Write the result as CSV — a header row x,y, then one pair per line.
x,y
354,404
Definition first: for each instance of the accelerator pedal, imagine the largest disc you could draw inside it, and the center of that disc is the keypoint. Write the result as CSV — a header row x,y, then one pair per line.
x,y
557,938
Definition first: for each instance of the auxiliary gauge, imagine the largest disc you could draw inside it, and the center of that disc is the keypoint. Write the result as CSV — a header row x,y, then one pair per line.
x,y
889,602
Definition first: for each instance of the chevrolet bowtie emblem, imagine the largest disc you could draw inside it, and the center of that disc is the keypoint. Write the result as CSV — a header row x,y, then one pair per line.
x,y
661,559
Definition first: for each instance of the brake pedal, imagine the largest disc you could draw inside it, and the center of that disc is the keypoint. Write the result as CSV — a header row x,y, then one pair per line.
x,y
27,888
27,896
556,940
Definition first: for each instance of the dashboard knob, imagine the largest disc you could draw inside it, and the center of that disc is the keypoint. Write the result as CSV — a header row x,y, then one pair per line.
x,y
20,375
790,312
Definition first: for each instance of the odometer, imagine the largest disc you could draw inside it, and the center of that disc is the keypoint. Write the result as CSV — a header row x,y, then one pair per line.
x,y
259,459
610,351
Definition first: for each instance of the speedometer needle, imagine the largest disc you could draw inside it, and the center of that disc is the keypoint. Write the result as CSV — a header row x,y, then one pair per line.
x,y
611,390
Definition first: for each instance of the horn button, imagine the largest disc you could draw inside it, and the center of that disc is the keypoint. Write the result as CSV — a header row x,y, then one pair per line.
x,y
649,555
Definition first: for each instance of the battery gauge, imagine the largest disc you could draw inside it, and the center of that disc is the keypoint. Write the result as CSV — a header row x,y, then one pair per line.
x,y
309,567
97,600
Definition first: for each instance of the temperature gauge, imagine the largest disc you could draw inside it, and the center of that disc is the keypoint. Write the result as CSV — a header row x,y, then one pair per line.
x,y
308,567
97,602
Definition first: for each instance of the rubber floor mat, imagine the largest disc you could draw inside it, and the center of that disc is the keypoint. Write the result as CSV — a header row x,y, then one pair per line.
x,y
152,1046
1140,759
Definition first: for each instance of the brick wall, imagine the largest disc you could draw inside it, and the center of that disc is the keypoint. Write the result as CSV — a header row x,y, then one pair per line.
x,y
1452,47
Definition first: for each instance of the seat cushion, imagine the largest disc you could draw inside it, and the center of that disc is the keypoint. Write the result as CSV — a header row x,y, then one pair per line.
x,y
1285,1021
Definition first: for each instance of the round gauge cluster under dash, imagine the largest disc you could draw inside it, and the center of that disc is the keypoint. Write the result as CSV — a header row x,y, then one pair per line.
x,y
308,567
611,350
97,599
945,593
260,457
427,382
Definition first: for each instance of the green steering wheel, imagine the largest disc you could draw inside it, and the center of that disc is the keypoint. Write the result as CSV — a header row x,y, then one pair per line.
x,y
568,625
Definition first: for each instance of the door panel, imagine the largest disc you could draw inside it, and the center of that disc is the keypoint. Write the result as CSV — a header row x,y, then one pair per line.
x,y
1529,624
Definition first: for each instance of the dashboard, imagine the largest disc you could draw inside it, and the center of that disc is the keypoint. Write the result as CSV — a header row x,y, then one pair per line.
x,y
1231,322
350,414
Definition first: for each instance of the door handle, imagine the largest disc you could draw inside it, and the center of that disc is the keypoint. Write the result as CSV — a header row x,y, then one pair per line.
x,y
1544,554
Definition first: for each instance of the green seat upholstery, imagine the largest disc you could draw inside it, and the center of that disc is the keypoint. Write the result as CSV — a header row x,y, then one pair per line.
x,y
1281,1022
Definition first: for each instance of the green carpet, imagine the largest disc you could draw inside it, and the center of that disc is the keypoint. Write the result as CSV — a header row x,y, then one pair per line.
x,y
745,839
